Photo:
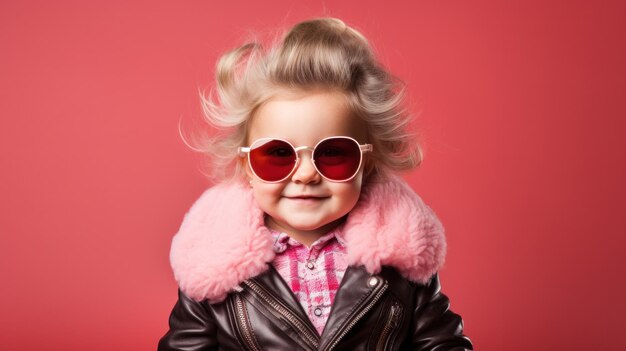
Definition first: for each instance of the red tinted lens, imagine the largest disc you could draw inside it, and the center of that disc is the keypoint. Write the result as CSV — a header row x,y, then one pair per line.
x,y
272,160
337,158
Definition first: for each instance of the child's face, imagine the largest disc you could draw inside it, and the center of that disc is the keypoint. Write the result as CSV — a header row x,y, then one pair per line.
x,y
304,120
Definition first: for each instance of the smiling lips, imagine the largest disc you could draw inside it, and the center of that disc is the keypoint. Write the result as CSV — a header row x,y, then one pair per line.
x,y
306,197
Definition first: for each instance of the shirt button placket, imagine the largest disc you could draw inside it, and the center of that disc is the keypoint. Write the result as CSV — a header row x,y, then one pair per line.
x,y
317,311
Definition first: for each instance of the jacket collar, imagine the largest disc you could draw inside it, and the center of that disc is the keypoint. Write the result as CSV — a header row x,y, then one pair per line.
x,y
223,241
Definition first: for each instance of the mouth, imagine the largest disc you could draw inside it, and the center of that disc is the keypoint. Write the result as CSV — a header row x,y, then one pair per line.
x,y
306,198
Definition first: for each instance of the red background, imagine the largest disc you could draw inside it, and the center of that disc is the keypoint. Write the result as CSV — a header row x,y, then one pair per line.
x,y
523,121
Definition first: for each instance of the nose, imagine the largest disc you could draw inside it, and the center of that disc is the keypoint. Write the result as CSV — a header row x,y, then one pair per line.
x,y
305,172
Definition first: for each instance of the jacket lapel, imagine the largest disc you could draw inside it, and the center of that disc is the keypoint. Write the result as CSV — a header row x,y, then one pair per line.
x,y
271,293
358,293
275,283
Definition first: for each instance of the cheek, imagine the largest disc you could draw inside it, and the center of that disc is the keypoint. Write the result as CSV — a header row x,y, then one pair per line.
x,y
266,194
355,186
349,195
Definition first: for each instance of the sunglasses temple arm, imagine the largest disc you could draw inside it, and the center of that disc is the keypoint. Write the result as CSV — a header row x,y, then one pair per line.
x,y
367,147
242,151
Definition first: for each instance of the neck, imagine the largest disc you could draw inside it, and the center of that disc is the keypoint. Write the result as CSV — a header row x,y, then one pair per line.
x,y
305,237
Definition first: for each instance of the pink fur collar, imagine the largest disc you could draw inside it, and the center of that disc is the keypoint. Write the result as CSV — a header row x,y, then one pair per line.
x,y
222,240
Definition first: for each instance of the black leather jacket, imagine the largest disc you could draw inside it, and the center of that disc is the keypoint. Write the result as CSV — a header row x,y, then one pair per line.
x,y
370,312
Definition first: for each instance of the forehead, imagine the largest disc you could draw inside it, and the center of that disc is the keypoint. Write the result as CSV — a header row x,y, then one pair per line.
x,y
305,119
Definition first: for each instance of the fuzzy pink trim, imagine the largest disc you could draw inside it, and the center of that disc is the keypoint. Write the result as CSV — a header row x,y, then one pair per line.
x,y
391,226
223,241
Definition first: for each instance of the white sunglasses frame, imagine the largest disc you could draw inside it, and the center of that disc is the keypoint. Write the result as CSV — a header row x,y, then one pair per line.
x,y
363,148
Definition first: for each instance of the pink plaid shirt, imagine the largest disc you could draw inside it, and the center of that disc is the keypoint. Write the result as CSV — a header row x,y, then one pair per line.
x,y
313,273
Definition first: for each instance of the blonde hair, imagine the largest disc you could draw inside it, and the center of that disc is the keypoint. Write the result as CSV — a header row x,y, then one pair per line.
x,y
321,53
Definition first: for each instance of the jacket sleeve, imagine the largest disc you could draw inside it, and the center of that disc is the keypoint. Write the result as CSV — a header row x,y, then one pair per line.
x,y
191,327
435,326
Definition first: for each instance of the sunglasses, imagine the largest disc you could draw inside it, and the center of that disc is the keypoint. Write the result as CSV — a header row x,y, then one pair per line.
x,y
337,158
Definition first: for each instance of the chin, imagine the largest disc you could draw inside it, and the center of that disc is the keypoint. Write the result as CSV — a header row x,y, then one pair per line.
x,y
307,226
305,223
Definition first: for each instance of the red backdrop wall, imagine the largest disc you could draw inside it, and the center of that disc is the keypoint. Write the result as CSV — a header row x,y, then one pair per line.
x,y
522,112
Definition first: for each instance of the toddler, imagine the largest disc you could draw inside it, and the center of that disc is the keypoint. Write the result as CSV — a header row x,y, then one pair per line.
x,y
310,242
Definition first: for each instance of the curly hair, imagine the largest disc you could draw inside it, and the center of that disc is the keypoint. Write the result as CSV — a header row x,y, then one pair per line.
x,y
322,53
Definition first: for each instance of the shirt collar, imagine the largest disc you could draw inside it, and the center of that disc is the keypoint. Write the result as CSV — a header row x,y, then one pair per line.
x,y
282,240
